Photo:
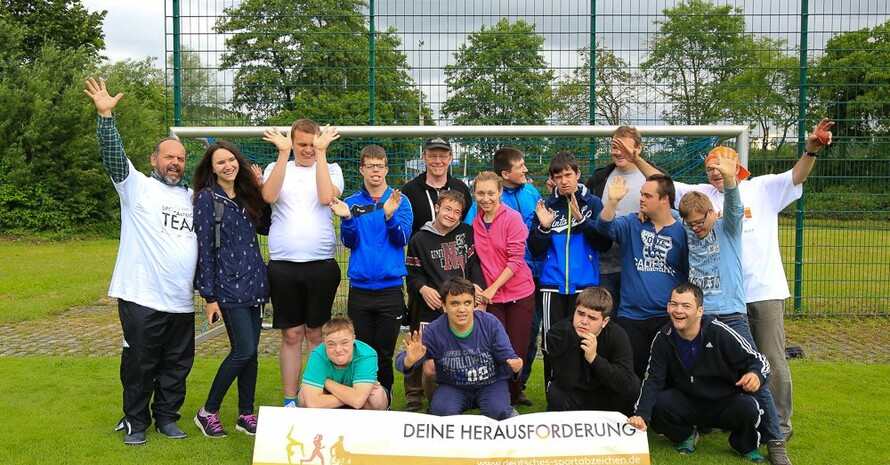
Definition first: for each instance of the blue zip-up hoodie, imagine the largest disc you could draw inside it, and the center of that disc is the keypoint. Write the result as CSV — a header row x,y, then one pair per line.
x,y
378,245
523,199
570,248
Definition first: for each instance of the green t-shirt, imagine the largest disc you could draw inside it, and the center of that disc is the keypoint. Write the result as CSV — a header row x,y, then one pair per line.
x,y
362,368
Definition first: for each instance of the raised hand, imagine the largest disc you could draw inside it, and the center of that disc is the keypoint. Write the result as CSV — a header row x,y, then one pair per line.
x,y
588,345
575,208
257,173
104,102
392,203
545,215
340,208
820,137
726,166
281,141
323,140
618,189
630,153
515,364
414,348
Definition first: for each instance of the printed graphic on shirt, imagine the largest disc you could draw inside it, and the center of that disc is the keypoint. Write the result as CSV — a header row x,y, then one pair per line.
x,y
655,251
467,367
178,221
453,254
561,223
706,254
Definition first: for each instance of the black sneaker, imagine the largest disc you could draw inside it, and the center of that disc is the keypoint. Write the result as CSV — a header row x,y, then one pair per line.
x,y
172,431
523,399
209,424
131,438
246,424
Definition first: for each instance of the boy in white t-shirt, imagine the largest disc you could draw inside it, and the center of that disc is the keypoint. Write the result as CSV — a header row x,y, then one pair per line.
x,y
303,275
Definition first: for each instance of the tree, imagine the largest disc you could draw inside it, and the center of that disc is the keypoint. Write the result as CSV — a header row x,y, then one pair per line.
x,y
616,89
850,82
311,59
202,100
698,48
65,22
500,77
51,178
765,92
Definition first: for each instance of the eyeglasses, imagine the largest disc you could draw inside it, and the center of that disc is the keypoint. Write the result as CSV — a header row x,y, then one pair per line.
x,y
375,166
698,223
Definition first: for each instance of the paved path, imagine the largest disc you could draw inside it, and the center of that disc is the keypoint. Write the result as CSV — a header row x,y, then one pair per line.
x,y
95,331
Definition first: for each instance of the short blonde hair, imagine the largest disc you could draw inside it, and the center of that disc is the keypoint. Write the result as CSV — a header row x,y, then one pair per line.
x,y
487,176
694,202
337,324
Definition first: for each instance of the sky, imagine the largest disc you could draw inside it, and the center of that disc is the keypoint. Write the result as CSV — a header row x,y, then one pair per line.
x,y
133,29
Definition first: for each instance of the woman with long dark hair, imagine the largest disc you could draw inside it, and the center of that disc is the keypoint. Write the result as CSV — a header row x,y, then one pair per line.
x,y
231,275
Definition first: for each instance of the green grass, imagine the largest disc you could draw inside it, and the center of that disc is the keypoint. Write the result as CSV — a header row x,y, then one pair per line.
x,y
63,410
38,279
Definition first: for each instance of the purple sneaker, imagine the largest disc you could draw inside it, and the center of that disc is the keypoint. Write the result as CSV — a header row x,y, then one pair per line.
x,y
209,424
246,424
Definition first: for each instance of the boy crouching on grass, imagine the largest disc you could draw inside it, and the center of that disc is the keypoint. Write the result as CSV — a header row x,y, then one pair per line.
x,y
342,372
471,352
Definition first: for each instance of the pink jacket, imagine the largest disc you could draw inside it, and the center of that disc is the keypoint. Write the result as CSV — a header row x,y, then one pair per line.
x,y
503,245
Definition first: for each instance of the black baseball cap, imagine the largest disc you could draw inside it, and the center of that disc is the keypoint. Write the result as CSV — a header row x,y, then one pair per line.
x,y
437,142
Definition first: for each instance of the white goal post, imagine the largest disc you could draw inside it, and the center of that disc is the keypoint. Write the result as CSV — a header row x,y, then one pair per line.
x,y
739,132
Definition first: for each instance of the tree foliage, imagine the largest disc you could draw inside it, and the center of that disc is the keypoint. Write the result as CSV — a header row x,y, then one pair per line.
x,y
51,178
698,48
500,76
764,93
851,82
616,90
66,23
311,59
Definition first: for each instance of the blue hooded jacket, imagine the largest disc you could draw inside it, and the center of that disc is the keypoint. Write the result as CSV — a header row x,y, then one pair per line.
x,y
570,248
378,245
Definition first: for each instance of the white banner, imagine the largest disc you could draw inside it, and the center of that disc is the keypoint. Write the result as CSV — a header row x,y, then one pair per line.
x,y
359,437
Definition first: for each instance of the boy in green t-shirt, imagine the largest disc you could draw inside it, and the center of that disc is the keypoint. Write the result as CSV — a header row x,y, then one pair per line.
x,y
342,372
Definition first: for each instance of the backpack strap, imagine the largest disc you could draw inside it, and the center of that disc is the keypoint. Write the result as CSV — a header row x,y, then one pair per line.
x,y
218,209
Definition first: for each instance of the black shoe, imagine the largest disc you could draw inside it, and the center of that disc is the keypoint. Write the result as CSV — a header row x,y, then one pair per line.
x,y
172,431
523,400
135,438
413,406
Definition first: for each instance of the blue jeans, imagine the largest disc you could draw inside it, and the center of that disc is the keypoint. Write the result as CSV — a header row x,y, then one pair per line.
x,y
739,323
533,340
612,283
243,327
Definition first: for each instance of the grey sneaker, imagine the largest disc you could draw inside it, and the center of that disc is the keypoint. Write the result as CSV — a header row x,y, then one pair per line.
x,y
209,424
778,455
135,438
246,424
171,430
131,438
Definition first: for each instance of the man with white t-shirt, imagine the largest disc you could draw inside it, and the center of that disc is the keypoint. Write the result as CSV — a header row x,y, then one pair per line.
x,y
303,275
766,286
153,276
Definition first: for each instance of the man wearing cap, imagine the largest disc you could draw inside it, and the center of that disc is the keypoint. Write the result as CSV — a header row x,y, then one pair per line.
x,y
423,191
766,286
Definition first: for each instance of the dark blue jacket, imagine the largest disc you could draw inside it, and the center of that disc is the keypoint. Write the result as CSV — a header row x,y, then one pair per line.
x,y
570,248
378,245
233,275
724,356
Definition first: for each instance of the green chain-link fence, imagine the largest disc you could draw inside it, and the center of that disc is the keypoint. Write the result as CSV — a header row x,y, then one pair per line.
x,y
776,66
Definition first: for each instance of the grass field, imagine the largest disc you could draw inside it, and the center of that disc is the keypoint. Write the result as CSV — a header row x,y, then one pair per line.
x,y
63,410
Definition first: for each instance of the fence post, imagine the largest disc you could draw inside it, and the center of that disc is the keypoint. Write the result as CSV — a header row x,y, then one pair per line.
x,y
801,144
591,117
177,66
371,61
